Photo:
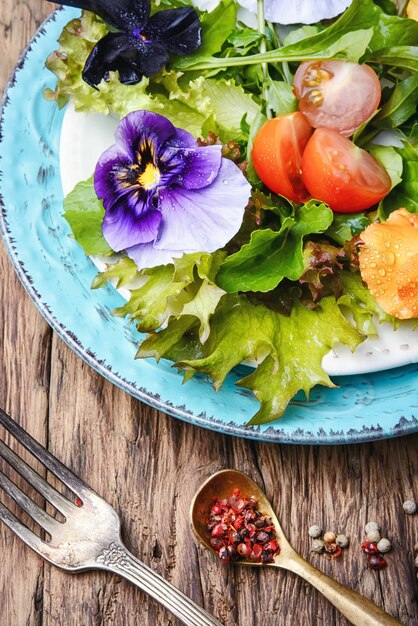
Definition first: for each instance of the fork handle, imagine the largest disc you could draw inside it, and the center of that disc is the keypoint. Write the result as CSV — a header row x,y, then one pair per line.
x,y
119,560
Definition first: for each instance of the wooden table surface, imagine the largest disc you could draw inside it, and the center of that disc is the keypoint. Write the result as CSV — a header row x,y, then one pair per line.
x,y
148,465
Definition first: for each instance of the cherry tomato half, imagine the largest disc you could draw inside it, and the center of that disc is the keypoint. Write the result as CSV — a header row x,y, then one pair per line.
x,y
337,94
341,174
277,155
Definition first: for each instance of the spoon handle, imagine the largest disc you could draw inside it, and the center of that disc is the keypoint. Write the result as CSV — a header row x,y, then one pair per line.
x,y
358,610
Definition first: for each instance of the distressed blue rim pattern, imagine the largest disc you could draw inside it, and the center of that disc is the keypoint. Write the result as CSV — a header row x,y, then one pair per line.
x,y
57,276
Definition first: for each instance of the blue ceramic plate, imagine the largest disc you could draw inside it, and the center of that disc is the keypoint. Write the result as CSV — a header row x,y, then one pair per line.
x,y
57,276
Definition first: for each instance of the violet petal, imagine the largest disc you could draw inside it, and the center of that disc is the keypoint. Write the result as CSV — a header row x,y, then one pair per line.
x,y
178,29
205,219
140,127
110,174
123,14
146,255
182,139
150,56
191,168
122,229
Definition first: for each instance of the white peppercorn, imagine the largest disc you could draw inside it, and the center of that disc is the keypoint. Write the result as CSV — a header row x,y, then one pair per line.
x,y
384,545
329,536
342,541
371,526
317,545
314,531
373,536
409,506
416,561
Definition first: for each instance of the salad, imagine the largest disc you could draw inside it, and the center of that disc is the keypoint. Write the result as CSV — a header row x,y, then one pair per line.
x,y
260,201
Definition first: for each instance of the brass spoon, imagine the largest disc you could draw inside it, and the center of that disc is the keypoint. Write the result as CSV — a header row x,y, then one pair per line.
x,y
358,610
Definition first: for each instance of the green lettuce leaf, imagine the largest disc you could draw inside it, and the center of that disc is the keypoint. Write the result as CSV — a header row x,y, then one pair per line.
x,y
289,350
185,287
120,273
76,42
84,212
272,255
358,302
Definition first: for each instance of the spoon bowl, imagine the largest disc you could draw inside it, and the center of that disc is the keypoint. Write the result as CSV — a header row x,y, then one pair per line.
x,y
358,610
220,486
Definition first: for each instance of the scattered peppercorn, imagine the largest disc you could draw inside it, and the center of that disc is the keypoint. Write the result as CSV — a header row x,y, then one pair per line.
x,y
373,535
376,561
409,506
239,531
342,541
371,526
383,545
330,543
315,531
331,547
369,547
329,537
374,547
318,546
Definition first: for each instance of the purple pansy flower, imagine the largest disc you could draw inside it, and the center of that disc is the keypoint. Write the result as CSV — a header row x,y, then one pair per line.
x,y
163,195
141,44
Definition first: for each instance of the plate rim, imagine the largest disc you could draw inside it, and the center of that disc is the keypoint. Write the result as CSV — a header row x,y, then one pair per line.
x,y
272,434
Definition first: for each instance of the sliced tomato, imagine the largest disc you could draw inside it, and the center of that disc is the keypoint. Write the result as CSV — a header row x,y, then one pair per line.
x,y
277,155
337,94
341,174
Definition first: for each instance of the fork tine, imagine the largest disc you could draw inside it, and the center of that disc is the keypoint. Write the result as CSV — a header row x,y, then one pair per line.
x,y
33,478
40,516
44,456
32,540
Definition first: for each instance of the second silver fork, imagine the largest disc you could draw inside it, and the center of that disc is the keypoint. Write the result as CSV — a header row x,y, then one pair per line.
x,y
89,538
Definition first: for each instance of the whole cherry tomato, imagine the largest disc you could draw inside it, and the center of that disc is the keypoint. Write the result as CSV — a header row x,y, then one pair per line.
x,y
341,174
277,155
337,94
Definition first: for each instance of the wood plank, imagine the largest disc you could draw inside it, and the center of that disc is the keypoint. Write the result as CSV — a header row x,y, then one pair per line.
x,y
148,466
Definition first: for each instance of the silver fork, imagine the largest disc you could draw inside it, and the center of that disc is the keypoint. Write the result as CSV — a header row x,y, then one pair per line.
x,y
89,538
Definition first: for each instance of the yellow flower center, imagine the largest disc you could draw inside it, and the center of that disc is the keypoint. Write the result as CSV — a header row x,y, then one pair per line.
x,y
150,177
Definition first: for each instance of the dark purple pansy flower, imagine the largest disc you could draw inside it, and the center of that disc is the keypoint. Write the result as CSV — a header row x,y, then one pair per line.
x,y
142,42
163,195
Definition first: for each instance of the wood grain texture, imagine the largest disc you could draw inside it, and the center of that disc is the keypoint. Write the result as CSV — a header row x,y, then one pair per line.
x,y
148,466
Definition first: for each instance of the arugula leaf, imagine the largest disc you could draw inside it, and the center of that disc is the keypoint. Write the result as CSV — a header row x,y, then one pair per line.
x,y
402,103
345,226
280,97
84,212
391,161
272,255
396,56
405,194
217,26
